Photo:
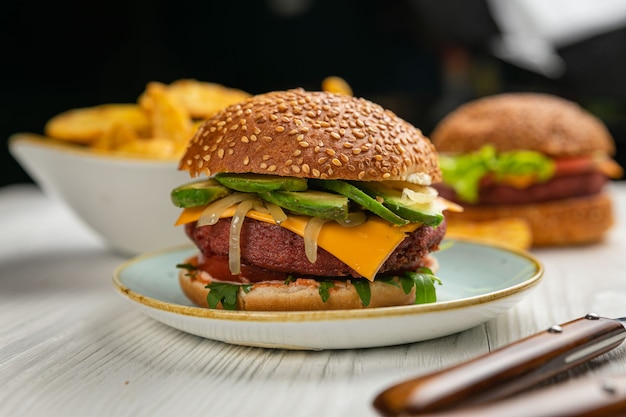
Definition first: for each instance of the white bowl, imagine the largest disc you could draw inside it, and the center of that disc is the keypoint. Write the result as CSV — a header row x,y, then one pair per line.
x,y
124,200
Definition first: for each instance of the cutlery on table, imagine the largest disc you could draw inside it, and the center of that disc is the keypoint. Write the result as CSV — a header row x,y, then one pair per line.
x,y
476,384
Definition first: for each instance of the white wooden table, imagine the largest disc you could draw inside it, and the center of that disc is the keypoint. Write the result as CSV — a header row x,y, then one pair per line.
x,y
71,346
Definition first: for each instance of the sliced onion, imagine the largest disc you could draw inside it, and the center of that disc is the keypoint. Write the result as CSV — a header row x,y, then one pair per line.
x,y
354,218
311,232
212,213
276,212
234,241
418,195
420,178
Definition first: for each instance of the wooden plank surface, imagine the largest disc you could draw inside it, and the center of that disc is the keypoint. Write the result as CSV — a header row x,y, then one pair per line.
x,y
70,345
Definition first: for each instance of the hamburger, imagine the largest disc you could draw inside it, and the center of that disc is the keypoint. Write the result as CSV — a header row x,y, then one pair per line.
x,y
309,201
532,156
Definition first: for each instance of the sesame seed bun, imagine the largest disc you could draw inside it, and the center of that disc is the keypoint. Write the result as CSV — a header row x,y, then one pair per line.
x,y
541,122
300,295
305,134
572,221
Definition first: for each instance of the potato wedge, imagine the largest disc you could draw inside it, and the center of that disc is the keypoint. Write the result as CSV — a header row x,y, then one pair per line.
x,y
88,124
168,117
512,232
203,99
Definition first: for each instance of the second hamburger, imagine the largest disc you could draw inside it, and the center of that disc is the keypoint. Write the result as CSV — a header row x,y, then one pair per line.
x,y
532,156
312,201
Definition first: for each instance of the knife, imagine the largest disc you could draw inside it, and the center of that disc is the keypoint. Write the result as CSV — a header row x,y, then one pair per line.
x,y
584,397
507,370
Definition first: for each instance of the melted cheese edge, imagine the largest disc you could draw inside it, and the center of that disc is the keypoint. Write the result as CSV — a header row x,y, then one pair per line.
x,y
363,248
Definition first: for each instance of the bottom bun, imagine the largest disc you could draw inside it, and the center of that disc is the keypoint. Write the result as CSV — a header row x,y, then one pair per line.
x,y
300,295
573,221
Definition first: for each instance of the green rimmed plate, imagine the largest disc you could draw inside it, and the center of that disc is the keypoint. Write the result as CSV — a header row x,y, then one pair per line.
x,y
479,283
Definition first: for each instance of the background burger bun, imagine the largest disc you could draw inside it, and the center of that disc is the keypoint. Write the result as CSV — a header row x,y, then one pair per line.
x,y
511,121
300,295
299,133
544,123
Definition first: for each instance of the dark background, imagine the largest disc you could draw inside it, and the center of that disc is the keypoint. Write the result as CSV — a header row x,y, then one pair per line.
x,y
419,58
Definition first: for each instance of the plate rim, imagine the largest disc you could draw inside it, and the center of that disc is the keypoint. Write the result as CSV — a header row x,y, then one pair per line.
x,y
324,315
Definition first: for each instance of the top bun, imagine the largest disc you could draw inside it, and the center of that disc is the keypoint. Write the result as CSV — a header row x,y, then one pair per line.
x,y
305,134
517,121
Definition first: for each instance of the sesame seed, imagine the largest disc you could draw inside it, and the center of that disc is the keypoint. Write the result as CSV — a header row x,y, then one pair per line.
x,y
293,131
253,138
330,152
266,157
220,153
207,157
263,165
315,173
244,139
246,160
305,168
322,160
335,135
297,152
304,144
300,138
271,168
336,162
386,175
295,169
280,129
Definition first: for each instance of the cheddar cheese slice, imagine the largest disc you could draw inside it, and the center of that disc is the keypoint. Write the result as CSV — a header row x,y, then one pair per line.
x,y
364,248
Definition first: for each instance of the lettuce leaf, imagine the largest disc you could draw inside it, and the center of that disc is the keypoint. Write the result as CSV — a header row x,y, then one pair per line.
x,y
464,172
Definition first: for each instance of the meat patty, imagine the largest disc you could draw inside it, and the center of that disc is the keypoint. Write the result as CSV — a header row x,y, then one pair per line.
x,y
557,188
272,247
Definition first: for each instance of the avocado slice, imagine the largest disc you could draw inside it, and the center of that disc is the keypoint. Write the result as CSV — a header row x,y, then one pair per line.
x,y
198,193
358,196
259,183
311,203
392,199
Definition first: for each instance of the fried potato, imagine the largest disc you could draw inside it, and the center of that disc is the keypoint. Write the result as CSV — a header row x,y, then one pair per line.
x,y
334,84
152,148
512,232
88,124
202,99
117,135
168,117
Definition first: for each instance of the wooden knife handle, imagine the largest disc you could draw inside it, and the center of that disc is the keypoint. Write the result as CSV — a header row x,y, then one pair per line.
x,y
586,397
507,370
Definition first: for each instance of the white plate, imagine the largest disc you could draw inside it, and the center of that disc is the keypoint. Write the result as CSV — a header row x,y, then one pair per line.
x,y
479,283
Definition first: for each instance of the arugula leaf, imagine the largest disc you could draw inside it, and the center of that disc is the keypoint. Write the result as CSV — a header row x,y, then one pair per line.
x,y
323,289
224,293
363,290
424,282
188,267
